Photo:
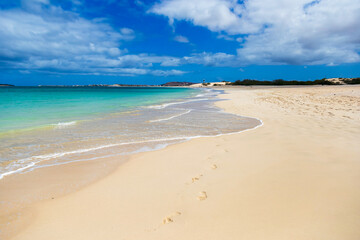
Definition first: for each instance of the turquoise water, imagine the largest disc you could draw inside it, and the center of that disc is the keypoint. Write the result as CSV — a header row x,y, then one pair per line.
x,y
30,107
46,126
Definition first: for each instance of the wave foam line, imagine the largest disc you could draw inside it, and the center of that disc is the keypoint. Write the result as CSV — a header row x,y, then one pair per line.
x,y
175,103
64,124
144,149
36,159
55,155
169,118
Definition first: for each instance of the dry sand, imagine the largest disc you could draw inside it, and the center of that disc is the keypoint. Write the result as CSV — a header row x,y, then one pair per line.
x,y
296,177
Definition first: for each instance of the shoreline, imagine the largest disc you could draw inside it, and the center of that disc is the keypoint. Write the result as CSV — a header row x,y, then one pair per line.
x,y
34,165
176,192
28,159
36,191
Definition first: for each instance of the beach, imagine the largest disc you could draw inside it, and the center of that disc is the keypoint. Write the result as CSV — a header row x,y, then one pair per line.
x,y
297,176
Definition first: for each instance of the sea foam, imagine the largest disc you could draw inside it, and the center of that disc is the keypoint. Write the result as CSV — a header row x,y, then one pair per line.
x,y
64,124
172,117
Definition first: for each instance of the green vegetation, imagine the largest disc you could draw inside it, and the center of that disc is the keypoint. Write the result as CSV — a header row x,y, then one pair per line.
x,y
281,82
351,80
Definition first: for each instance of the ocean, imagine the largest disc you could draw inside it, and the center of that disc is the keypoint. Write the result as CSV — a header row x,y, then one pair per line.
x,y
45,126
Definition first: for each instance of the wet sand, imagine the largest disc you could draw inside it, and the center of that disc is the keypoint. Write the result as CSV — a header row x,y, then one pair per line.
x,y
296,177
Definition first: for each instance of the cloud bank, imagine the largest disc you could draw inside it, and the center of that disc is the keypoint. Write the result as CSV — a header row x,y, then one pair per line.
x,y
45,38
38,36
302,32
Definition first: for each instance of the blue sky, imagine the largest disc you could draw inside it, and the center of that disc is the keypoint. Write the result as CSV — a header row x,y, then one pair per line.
x,y
151,42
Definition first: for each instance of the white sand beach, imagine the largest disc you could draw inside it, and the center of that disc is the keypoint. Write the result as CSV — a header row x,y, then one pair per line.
x,y
296,177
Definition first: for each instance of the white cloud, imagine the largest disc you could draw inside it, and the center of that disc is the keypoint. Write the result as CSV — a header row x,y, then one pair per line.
x,y
41,37
210,59
127,33
181,39
141,71
34,5
144,60
167,72
225,37
125,65
170,62
278,32
217,15
25,35
128,72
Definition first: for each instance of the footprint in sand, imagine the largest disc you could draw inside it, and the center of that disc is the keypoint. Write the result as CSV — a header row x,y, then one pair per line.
x,y
214,166
170,219
194,179
167,220
202,196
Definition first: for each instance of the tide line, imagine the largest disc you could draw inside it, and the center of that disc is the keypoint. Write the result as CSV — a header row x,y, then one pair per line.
x,y
169,118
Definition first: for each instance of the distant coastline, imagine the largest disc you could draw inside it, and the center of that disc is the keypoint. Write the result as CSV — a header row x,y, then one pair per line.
x,y
168,84
244,82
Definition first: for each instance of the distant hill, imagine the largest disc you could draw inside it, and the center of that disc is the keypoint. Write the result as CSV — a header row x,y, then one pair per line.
x,y
280,82
211,84
6,85
344,80
176,84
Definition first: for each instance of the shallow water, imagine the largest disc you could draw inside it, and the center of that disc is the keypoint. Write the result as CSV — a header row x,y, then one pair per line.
x,y
146,119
